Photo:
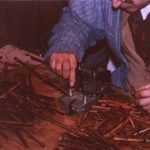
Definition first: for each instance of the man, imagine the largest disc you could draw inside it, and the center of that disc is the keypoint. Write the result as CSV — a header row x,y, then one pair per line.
x,y
119,21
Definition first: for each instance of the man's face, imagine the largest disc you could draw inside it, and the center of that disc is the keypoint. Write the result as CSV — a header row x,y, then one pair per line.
x,y
129,5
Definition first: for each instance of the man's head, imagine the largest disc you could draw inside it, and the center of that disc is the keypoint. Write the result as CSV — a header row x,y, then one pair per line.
x,y
129,5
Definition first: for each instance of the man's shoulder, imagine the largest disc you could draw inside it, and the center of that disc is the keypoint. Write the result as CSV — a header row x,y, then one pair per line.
x,y
89,3
90,9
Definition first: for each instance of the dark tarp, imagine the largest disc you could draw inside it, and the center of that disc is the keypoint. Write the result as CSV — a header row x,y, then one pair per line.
x,y
27,24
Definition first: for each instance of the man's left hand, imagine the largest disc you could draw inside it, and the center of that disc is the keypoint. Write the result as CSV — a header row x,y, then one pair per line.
x,y
142,96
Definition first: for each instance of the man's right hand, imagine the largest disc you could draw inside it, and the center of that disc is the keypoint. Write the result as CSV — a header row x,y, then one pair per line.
x,y
64,64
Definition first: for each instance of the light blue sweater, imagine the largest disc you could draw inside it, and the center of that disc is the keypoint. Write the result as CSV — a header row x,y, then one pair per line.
x,y
82,23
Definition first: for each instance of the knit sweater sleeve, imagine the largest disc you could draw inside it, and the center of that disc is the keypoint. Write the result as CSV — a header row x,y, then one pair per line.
x,y
78,28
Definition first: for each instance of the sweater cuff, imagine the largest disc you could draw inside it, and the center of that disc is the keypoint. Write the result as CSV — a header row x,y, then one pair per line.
x,y
63,48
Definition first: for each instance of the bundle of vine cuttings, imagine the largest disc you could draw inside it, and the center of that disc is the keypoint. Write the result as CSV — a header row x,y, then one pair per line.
x,y
109,125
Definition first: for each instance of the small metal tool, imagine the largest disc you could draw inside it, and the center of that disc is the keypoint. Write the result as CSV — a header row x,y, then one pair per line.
x,y
88,89
70,92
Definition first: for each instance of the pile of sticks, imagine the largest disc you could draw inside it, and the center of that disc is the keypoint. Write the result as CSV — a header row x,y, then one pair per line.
x,y
20,108
109,125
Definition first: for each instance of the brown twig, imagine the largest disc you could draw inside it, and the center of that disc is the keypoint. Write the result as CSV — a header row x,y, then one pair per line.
x,y
10,90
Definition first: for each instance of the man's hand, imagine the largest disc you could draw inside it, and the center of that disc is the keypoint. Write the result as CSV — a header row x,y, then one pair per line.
x,y
143,97
64,64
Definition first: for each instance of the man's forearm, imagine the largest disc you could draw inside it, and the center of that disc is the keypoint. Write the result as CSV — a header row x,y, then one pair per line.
x,y
70,35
